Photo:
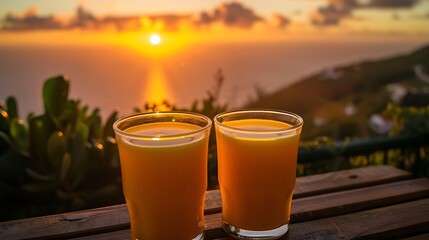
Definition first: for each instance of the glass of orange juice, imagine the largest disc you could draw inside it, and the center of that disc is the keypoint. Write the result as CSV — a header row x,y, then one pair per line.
x,y
257,153
163,159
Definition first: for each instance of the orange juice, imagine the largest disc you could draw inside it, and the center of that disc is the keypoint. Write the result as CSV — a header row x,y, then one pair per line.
x,y
256,173
164,180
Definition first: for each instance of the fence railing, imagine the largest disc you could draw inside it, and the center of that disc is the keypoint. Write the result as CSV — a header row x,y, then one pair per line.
x,y
408,147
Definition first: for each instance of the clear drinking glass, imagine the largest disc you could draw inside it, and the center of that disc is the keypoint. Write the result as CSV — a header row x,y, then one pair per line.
x,y
257,153
164,172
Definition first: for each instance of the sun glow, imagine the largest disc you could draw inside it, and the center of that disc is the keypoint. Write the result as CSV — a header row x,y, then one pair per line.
x,y
157,90
156,47
155,39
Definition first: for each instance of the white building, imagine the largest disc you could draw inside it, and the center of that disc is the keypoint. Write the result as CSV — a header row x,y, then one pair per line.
x,y
380,124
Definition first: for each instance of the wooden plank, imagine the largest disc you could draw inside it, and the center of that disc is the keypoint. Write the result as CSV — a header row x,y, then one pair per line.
x,y
347,179
329,182
338,203
116,235
326,205
116,217
333,204
68,224
394,221
92,221
213,202
424,236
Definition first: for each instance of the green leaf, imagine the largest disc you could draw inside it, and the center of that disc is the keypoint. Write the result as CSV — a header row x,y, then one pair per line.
x,y
83,112
71,113
56,148
95,125
40,129
38,176
55,94
78,203
38,187
30,116
8,140
4,121
19,133
108,127
65,167
64,196
82,131
12,168
12,107
108,194
79,154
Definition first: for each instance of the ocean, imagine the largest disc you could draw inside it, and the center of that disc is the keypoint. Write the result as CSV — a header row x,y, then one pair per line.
x,y
120,78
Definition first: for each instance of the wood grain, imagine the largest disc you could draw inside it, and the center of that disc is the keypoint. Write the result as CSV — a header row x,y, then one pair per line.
x,y
331,204
424,236
392,222
389,222
347,179
68,224
115,218
328,182
334,204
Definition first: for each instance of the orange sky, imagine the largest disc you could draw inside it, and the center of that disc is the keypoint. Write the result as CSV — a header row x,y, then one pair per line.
x,y
116,21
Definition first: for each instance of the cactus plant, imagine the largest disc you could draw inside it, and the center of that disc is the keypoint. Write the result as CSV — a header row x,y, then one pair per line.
x,y
65,158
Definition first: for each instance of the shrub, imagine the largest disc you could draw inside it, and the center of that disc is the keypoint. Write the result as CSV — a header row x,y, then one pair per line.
x,y
62,160
66,159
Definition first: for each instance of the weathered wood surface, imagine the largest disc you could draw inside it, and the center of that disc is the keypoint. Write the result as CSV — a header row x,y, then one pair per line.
x,y
347,179
391,222
113,222
68,224
349,201
381,223
424,236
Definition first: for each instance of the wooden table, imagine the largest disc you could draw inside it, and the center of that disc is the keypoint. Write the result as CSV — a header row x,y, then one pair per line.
x,y
378,202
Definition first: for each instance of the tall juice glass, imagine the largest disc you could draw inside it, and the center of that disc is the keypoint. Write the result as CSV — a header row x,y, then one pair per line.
x,y
164,172
257,153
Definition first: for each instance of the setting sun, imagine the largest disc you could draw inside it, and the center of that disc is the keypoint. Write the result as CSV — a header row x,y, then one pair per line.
x,y
155,39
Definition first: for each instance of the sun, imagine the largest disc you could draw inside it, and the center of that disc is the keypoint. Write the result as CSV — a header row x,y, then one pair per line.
x,y
155,39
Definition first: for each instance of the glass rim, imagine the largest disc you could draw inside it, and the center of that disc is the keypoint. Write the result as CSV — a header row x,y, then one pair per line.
x,y
272,111
168,136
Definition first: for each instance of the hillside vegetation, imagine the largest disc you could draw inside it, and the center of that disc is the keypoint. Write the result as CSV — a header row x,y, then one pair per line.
x,y
322,98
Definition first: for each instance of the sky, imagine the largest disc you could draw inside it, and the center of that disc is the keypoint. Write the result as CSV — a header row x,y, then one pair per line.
x,y
277,17
292,32
107,7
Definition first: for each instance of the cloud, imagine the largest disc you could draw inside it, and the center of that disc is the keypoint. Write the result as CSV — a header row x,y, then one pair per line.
x,y
373,3
232,14
30,20
84,19
386,3
330,15
337,10
281,21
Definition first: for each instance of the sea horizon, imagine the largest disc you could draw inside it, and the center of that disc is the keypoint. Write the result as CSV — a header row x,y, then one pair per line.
x,y
119,78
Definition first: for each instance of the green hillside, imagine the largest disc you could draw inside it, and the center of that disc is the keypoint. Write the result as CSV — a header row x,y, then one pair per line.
x,y
325,95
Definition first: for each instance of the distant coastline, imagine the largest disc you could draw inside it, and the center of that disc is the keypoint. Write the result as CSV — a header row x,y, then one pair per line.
x,y
97,74
347,100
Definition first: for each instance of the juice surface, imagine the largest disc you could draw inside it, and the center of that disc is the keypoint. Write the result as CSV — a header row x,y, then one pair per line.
x,y
165,183
257,124
256,175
